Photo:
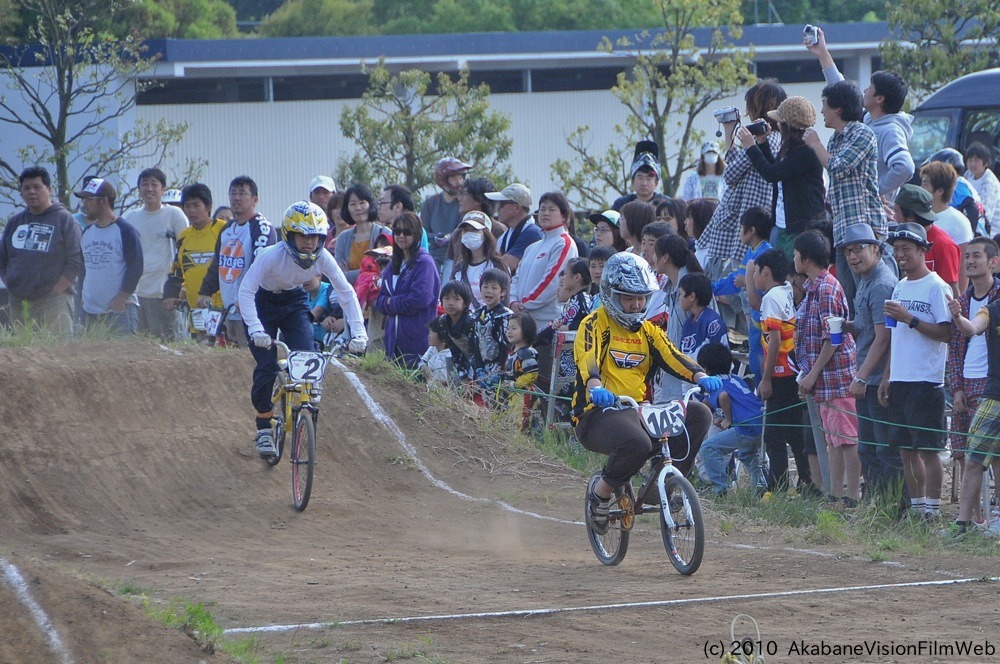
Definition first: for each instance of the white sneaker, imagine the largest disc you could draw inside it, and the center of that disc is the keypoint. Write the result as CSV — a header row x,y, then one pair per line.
x,y
265,443
991,528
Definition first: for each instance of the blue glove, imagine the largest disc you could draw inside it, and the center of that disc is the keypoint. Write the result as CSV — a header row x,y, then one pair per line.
x,y
710,384
602,397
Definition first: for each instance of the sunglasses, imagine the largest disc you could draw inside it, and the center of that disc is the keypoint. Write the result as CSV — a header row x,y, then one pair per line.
x,y
406,232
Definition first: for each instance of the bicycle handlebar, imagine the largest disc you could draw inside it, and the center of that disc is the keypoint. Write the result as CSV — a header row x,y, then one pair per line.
x,y
626,400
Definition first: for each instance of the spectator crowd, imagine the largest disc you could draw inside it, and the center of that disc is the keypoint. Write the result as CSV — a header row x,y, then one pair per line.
x,y
863,285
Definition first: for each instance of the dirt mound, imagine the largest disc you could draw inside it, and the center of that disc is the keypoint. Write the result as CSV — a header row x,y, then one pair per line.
x,y
128,462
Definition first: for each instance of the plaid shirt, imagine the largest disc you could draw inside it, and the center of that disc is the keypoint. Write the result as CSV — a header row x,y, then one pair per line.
x,y
958,346
824,298
745,188
853,169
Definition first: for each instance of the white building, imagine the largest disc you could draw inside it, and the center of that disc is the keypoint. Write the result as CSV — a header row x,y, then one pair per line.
x,y
270,108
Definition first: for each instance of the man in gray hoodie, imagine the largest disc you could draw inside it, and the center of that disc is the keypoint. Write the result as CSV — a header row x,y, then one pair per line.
x,y
883,101
40,257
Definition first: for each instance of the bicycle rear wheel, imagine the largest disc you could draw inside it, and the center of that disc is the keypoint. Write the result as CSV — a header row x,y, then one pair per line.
x,y
610,548
685,541
279,425
302,457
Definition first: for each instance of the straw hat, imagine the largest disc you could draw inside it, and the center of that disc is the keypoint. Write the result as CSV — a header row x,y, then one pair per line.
x,y
796,112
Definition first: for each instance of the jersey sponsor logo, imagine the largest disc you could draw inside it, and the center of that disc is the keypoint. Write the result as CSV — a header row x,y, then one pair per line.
x,y
33,237
191,259
627,360
626,340
232,262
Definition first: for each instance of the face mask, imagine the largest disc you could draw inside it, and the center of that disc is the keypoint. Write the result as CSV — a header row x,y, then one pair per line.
x,y
472,241
711,158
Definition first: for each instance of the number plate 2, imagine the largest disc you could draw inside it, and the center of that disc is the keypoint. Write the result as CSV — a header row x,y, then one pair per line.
x,y
306,367
663,420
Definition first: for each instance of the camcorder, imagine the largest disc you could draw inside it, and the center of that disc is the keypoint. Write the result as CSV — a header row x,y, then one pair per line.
x,y
727,114
758,128
810,34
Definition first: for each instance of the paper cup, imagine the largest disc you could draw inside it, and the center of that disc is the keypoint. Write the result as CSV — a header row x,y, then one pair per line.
x,y
889,320
836,324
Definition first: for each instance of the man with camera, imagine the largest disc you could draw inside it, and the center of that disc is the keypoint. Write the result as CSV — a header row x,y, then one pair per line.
x,y
883,103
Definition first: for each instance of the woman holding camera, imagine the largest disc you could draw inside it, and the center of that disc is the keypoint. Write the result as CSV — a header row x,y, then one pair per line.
x,y
799,195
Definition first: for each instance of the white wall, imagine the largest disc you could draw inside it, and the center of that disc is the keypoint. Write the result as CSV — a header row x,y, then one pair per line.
x,y
283,145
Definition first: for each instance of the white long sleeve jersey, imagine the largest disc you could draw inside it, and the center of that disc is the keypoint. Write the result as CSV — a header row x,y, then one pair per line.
x,y
274,270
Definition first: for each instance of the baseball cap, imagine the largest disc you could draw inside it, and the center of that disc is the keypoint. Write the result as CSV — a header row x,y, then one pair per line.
x,y
612,217
478,220
516,192
917,201
97,187
910,231
709,146
324,182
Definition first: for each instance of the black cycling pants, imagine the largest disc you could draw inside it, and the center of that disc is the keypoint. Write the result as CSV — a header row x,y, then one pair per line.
x,y
620,435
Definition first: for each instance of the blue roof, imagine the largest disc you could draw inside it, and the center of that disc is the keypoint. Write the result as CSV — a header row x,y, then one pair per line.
x,y
488,43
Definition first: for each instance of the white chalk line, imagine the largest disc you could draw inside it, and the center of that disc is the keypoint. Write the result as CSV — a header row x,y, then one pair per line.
x,y
379,414
522,613
16,581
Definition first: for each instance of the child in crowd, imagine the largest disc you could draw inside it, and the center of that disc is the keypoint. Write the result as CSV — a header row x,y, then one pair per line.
x,y
318,297
369,285
435,363
491,327
777,387
521,367
704,325
741,423
574,294
597,258
756,224
459,326
650,234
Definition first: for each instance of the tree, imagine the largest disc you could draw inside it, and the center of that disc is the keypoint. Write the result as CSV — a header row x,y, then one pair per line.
x,y
305,18
934,41
74,91
181,19
402,128
671,82
813,11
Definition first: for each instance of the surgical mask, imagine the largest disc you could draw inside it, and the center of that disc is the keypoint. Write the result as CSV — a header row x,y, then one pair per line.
x,y
472,241
711,158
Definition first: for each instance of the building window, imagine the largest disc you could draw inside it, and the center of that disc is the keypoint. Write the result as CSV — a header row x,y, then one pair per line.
x,y
203,91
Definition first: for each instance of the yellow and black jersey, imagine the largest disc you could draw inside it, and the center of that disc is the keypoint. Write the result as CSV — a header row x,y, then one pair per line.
x,y
195,251
624,361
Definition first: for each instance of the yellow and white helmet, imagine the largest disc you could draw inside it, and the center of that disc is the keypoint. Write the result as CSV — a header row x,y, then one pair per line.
x,y
303,218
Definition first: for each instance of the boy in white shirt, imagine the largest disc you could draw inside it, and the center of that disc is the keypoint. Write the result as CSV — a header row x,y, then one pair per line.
x,y
271,299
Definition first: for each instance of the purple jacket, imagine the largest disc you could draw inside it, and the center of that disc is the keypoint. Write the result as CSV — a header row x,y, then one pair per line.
x,y
414,296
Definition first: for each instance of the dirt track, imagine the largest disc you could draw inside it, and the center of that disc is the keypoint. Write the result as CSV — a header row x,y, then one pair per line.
x,y
130,462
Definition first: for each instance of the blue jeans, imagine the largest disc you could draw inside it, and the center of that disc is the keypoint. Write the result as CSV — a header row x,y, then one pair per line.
x,y
717,450
119,323
881,464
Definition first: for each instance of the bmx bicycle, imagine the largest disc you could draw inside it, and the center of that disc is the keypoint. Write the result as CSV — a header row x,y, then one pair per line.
x,y
296,401
666,492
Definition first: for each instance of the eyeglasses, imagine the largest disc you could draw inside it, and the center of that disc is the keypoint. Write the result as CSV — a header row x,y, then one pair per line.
x,y
853,249
381,203
405,232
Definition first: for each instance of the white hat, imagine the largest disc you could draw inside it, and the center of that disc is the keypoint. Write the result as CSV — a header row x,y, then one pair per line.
x,y
478,220
324,182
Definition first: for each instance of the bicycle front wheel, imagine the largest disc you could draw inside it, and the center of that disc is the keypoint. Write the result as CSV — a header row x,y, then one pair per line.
x,y
302,457
685,540
610,547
